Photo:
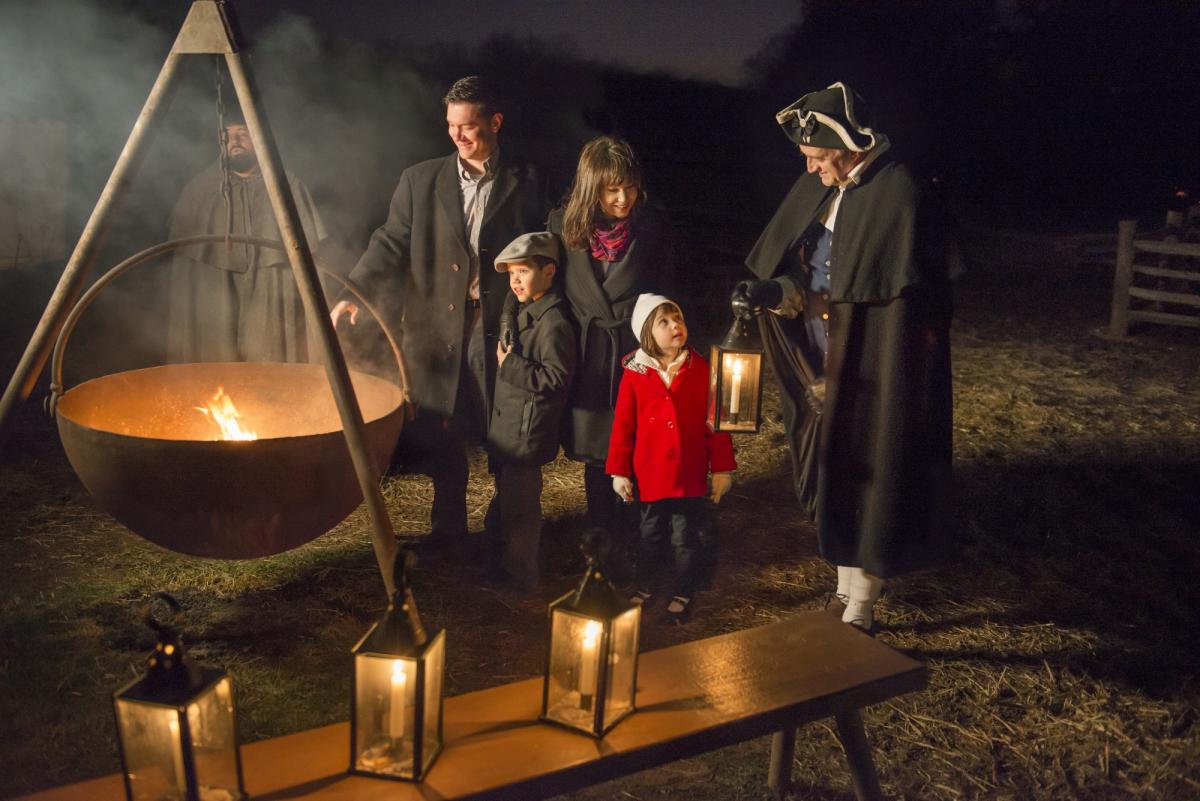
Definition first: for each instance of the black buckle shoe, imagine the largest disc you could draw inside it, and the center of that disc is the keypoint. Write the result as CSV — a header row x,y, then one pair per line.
x,y
678,611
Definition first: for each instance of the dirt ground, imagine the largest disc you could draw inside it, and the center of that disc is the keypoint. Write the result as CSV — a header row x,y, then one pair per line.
x,y
1059,635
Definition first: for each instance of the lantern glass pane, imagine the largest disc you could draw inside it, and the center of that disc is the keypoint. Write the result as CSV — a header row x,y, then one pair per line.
x,y
575,651
150,740
214,741
435,660
385,693
622,665
737,390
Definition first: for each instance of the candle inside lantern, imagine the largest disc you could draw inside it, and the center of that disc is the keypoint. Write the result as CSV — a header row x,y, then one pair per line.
x,y
735,390
396,712
588,662
177,754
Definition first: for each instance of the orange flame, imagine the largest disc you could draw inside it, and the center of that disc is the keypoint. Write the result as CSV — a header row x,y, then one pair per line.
x,y
222,412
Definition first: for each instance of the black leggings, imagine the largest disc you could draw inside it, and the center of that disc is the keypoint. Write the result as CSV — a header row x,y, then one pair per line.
x,y
692,537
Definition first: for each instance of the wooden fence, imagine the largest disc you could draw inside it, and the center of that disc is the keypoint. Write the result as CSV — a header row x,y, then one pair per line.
x,y
1157,279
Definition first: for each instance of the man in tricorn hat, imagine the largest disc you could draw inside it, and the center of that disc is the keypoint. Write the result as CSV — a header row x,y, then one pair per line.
x,y
856,268
236,302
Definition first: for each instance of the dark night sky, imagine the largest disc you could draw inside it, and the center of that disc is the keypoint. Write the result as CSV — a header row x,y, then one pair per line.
x,y
708,39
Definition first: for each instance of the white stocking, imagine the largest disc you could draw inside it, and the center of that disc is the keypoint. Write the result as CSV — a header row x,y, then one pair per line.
x,y
843,586
864,590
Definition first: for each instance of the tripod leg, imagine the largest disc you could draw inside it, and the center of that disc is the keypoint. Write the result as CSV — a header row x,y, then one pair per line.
x,y
29,369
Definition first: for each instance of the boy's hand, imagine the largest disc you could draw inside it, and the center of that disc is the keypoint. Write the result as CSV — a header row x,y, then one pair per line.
x,y
508,329
502,353
721,484
623,487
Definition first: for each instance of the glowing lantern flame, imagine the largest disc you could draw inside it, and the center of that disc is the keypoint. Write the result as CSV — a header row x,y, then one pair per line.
x,y
222,412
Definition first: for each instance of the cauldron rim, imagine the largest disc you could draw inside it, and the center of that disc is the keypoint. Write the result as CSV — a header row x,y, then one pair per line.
x,y
207,498
66,401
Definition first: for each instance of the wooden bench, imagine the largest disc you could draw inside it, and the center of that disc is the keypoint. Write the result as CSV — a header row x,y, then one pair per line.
x,y
692,698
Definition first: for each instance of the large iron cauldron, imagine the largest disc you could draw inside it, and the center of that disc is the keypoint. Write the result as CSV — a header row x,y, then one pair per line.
x,y
150,459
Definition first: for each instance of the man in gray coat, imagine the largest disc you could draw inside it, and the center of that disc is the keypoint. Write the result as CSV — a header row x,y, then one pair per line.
x,y
449,215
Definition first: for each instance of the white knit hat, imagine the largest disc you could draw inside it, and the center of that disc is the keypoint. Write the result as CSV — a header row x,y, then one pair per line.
x,y
646,304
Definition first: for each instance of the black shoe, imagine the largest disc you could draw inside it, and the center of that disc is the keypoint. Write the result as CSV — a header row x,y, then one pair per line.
x,y
502,577
836,604
678,611
643,598
439,545
860,624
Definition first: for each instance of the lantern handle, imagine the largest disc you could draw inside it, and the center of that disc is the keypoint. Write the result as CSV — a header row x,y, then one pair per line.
x,y
742,307
402,567
170,601
56,380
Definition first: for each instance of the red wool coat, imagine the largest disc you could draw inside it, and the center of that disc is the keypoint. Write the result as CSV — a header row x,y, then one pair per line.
x,y
661,436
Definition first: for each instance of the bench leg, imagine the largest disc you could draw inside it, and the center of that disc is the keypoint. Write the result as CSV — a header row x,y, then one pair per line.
x,y
858,754
783,752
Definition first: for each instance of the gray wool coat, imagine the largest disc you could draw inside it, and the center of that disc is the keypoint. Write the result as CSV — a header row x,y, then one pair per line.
x,y
417,265
532,384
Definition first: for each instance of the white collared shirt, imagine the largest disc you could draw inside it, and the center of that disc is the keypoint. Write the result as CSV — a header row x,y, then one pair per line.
x,y
475,191
668,373
855,176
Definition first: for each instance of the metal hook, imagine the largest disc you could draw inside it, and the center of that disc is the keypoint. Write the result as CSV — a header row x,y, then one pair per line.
x,y
170,601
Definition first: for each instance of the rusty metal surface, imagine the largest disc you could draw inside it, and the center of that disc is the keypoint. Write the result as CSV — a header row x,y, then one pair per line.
x,y
153,461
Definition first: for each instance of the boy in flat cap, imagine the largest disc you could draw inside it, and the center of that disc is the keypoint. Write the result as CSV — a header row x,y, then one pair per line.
x,y
532,380
856,267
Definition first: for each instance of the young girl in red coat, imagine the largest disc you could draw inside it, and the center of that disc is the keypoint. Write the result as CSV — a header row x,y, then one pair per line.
x,y
660,437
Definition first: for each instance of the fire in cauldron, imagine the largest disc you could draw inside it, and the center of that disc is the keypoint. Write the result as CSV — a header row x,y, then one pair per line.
x,y
161,467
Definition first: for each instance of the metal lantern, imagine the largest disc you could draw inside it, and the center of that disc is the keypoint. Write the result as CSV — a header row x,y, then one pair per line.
x,y
735,379
175,727
396,709
591,667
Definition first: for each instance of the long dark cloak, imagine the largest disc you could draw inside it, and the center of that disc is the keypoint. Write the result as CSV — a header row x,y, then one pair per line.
x,y
801,420
236,303
883,484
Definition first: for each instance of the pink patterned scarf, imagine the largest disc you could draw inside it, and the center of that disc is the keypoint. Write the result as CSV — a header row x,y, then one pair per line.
x,y
610,244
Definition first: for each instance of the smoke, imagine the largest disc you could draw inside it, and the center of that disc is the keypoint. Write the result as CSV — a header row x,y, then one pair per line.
x,y
347,119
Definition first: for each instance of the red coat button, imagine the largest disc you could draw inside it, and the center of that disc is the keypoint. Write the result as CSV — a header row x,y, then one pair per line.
x,y
671,453
670,424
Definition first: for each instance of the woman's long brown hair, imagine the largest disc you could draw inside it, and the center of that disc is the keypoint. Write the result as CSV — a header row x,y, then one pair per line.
x,y
604,161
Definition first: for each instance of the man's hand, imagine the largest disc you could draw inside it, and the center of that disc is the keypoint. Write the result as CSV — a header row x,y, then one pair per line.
x,y
623,487
721,484
757,294
342,307
502,353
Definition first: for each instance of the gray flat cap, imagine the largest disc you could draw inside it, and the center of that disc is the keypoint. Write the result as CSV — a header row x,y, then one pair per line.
x,y
540,243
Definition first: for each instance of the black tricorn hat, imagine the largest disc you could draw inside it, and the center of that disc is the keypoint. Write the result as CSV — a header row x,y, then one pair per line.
x,y
833,117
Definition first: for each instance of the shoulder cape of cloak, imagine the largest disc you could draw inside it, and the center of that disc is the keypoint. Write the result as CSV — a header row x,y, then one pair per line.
x,y
887,236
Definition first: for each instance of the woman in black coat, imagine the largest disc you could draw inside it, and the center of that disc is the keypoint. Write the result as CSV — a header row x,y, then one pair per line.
x,y
615,250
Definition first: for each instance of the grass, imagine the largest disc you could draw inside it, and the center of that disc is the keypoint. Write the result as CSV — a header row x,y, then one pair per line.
x,y
1058,635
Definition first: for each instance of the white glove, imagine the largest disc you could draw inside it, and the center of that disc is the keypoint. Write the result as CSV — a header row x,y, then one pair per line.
x,y
623,487
721,484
